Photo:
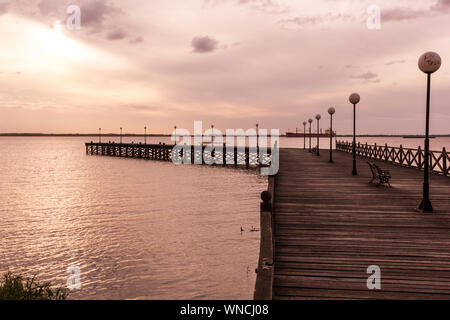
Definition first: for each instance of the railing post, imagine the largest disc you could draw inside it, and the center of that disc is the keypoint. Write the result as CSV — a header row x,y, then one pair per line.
x,y
264,278
401,155
444,161
247,157
266,196
419,162
224,154
386,157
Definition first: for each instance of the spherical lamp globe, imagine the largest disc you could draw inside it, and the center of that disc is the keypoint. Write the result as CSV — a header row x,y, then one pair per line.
x,y
429,62
354,98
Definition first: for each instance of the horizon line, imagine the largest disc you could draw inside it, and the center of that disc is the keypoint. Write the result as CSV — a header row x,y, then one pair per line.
x,y
33,134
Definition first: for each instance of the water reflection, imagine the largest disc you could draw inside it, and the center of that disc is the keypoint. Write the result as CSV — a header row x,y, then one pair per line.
x,y
136,229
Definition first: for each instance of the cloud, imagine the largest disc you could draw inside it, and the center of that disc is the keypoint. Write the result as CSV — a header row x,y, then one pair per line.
x,y
143,107
47,7
137,40
366,76
314,20
4,6
402,14
204,44
266,6
94,12
394,62
441,5
116,35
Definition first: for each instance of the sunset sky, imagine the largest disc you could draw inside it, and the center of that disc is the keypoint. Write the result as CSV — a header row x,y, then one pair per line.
x,y
233,63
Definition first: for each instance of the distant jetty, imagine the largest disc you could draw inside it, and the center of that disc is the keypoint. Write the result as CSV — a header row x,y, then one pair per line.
x,y
312,135
417,137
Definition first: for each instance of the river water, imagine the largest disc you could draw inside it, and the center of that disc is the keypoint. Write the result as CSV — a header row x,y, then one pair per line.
x,y
136,229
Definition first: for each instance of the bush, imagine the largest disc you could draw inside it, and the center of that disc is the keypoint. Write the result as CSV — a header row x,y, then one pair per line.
x,y
14,287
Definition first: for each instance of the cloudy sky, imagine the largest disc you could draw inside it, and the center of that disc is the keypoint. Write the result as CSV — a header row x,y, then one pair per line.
x,y
233,63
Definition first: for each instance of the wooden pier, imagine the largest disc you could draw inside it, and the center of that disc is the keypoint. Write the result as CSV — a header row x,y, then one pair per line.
x,y
222,154
328,227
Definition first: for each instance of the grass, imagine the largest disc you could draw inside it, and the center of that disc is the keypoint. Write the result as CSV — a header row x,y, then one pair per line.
x,y
15,287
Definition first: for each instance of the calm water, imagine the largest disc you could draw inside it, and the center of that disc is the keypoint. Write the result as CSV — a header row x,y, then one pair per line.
x,y
135,228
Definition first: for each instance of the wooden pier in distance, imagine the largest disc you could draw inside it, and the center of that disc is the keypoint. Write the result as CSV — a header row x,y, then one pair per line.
x,y
329,227
222,154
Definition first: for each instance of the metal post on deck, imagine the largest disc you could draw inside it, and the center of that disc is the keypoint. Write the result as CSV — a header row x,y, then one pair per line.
x,y
99,135
257,141
175,135
429,63
318,133
310,121
444,161
145,135
331,111
304,135
354,99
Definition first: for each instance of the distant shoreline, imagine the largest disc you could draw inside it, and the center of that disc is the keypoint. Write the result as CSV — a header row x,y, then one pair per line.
x,y
168,135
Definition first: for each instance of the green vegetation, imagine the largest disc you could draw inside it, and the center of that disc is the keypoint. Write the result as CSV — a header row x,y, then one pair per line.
x,y
13,287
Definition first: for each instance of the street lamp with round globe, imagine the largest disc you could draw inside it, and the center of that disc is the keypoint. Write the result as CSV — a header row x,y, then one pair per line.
x,y
429,62
318,116
304,135
310,122
331,111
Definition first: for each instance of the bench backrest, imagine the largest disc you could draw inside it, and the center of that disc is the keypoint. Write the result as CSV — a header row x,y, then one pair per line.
x,y
378,169
373,169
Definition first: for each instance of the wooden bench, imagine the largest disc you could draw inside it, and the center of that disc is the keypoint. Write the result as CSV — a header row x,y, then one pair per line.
x,y
382,176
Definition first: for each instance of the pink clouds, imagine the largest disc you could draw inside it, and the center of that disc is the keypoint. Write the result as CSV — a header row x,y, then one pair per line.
x,y
276,75
204,44
4,6
95,12
116,35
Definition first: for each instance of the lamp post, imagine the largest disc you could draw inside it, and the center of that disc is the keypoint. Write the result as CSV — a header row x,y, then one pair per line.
x,y
99,135
257,139
175,127
331,111
145,135
429,63
354,99
310,121
212,134
318,128
304,135
120,135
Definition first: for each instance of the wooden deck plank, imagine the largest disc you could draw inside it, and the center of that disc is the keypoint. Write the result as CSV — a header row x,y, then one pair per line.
x,y
330,226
